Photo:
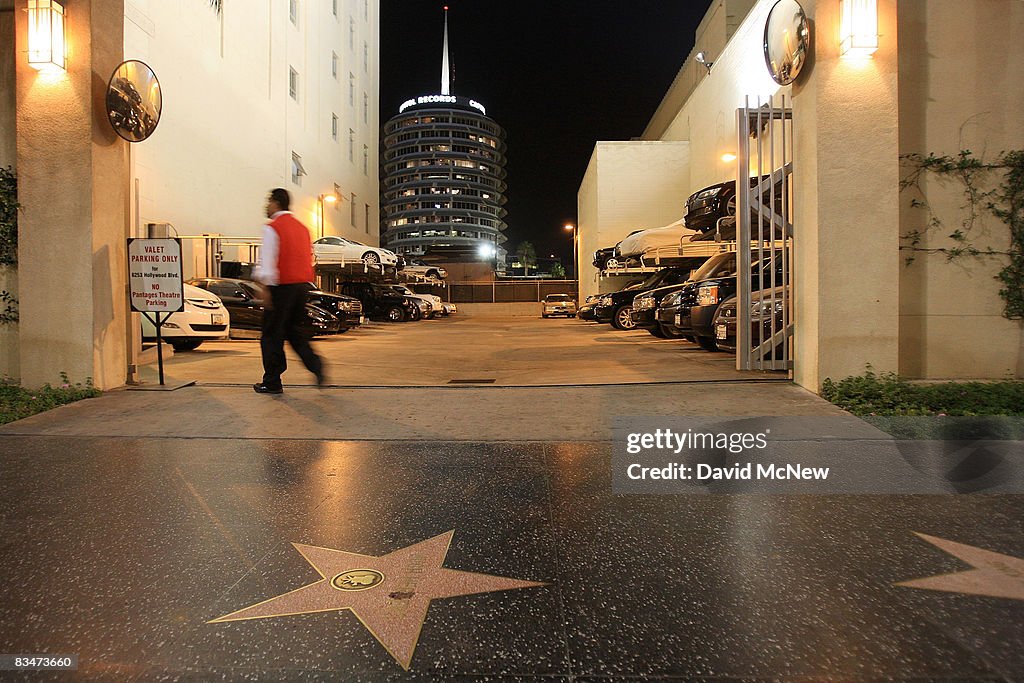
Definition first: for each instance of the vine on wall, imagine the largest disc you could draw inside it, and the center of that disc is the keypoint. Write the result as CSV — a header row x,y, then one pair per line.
x,y
995,188
8,217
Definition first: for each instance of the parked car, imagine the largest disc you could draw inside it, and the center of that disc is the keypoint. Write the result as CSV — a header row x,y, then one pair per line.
x,y
383,302
334,249
587,310
436,305
616,308
645,311
244,301
673,311
761,328
704,207
713,290
347,309
661,243
420,267
203,318
558,304
608,257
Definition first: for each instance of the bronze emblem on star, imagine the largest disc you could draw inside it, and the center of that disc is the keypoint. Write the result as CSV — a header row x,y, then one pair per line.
x,y
389,594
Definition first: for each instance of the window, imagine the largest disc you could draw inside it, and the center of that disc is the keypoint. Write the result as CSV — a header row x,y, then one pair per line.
x,y
334,127
366,108
293,11
297,170
366,160
352,34
367,219
293,84
366,9
352,90
334,7
351,145
334,64
353,204
366,57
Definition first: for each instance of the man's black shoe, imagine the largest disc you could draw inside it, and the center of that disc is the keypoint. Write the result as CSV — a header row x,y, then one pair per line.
x,y
262,388
321,380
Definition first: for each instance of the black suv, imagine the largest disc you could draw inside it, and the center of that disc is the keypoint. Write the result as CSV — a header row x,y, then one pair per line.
x,y
617,308
711,291
382,301
705,207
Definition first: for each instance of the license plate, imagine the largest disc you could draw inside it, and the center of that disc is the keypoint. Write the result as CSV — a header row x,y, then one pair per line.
x,y
362,319
679,319
720,332
216,319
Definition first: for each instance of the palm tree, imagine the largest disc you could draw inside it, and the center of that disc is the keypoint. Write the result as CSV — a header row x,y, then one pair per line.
x,y
527,256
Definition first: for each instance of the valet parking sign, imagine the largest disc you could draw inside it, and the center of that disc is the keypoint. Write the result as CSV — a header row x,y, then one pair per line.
x,y
154,275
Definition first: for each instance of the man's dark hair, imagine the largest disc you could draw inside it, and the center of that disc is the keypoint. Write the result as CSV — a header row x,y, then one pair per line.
x,y
281,196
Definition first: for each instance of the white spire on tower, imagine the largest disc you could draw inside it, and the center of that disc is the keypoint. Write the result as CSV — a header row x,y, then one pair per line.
x,y
446,74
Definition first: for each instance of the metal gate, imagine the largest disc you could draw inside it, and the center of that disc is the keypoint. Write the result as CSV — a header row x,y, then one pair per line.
x,y
764,210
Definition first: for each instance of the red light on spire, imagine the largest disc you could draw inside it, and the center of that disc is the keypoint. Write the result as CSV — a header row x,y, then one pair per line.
x,y
446,8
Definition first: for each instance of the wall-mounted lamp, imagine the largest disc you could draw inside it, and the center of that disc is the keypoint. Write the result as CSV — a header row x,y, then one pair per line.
x,y
728,157
701,58
47,47
858,28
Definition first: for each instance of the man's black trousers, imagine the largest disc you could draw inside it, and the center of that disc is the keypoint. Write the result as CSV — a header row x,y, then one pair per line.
x,y
285,319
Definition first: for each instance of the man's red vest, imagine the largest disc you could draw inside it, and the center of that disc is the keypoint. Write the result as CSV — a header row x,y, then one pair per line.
x,y
295,251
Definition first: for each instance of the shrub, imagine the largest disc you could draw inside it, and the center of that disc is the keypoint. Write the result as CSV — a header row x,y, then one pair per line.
x,y
16,402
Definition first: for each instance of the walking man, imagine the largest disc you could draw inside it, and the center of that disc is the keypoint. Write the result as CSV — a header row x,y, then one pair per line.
x,y
286,270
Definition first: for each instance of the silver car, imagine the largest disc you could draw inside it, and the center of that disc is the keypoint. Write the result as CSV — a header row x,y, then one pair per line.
x,y
558,304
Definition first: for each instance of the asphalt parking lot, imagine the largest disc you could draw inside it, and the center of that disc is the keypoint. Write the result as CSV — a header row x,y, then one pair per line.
x,y
501,351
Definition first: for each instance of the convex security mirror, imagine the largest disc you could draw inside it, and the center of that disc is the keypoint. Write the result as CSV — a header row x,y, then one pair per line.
x,y
787,41
134,101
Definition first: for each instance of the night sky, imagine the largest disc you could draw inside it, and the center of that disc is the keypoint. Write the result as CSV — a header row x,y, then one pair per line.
x,y
558,75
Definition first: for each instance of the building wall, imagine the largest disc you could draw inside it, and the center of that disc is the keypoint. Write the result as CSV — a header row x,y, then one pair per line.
x,y
72,170
960,66
628,186
9,358
229,125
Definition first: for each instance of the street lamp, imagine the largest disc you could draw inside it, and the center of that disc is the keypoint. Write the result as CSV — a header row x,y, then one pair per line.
x,y
575,254
330,199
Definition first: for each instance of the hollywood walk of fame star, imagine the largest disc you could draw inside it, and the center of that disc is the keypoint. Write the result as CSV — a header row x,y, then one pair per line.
x,y
994,574
389,594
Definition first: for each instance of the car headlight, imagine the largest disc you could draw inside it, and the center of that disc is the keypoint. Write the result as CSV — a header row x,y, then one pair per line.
x,y
707,295
763,309
704,194
205,303
642,303
671,300
606,301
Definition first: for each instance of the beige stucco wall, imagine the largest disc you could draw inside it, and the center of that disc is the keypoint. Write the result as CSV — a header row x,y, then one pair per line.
x,y
7,142
229,126
628,186
960,88
9,358
72,173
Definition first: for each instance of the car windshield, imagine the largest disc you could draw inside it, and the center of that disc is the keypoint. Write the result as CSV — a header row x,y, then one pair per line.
x,y
252,289
558,297
716,265
403,290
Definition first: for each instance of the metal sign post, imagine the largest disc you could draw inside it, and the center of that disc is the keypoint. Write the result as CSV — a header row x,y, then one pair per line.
x,y
155,285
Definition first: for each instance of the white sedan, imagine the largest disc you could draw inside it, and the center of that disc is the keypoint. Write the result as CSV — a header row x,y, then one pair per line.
x,y
204,317
335,249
